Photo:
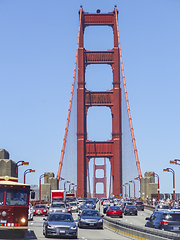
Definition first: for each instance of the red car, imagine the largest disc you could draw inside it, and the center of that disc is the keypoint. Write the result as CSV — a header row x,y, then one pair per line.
x,y
114,211
40,209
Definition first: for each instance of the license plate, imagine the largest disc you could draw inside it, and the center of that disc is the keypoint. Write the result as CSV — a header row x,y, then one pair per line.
x,y
91,224
62,231
175,228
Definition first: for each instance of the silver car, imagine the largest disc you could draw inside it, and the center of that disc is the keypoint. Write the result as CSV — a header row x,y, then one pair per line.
x,y
57,207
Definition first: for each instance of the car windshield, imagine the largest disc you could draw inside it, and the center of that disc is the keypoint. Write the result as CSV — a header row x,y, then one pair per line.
x,y
114,207
60,218
130,206
17,198
73,204
58,205
40,206
1,197
90,213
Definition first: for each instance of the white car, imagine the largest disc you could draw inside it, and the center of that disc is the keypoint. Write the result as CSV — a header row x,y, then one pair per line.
x,y
30,212
106,203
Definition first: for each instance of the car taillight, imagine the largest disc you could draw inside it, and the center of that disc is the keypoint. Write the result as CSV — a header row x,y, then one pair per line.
x,y
164,223
127,208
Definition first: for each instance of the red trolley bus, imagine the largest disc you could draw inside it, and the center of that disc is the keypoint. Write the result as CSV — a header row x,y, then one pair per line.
x,y
14,204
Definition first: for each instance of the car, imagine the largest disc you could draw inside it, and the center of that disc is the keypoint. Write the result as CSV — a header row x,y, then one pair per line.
x,y
106,202
30,212
114,211
139,205
130,210
105,209
90,202
59,224
40,209
161,207
168,220
85,206
124,205
74,206
57,207
68,206
90,218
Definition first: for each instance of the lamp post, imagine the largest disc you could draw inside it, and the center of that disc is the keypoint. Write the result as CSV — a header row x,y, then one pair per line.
x,y
20,163
129,188
173,172
60,179
42,175
65,184
70,186
175,161
134,186
122,190
27,171
137,178
156,175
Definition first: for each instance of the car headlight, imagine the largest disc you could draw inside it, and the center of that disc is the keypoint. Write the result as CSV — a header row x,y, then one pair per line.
x,y
50,227
100,220
73,228
63,210
82,220
50,210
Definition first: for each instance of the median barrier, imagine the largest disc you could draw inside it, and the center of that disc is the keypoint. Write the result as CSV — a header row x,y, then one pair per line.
x,y
136,232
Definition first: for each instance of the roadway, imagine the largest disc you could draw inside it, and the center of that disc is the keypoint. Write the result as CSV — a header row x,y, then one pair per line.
x,y
35,228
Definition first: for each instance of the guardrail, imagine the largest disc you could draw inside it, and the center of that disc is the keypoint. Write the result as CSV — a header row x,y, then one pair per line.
x,y
138,232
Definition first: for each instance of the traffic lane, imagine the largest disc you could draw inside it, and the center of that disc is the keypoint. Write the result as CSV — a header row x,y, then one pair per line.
x,y
36,232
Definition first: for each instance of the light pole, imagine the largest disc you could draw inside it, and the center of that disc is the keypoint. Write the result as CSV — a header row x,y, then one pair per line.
x,y
175,161
70,186
20,163
125,190
42,175
137,178
134,186
60,179
173,172
129,188
156,175
27,171
65,184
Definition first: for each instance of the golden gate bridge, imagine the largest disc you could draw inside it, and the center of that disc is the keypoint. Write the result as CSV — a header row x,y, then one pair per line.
x,y
119,154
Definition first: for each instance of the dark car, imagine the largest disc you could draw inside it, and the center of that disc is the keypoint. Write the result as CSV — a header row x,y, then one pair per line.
x,y
139,205
90,202
168,220
105,209
90,218
85,206
59,224
114,211
124,205
161,207
130,210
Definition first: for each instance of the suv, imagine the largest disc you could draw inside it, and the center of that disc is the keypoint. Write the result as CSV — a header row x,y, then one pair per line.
x,y
167,220
139,205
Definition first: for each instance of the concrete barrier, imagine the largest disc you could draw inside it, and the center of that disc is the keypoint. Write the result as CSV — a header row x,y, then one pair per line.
x,y
136,232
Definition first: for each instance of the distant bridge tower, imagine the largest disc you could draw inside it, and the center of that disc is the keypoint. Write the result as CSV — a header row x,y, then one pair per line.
x,y
99,180
86,149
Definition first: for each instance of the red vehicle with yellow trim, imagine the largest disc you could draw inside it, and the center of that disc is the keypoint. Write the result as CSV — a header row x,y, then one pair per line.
x,y
14,204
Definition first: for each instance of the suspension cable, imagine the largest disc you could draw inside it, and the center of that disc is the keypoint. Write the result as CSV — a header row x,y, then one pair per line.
x,y
127,102
70,103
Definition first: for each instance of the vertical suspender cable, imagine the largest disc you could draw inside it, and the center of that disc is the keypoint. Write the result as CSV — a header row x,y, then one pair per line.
x,y
70,103
127,102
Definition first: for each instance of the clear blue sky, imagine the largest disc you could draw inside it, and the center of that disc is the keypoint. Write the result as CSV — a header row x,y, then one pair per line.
x,y
37,54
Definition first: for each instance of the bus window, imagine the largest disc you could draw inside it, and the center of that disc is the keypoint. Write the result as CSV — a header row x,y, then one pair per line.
x,y
16,198
1,197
